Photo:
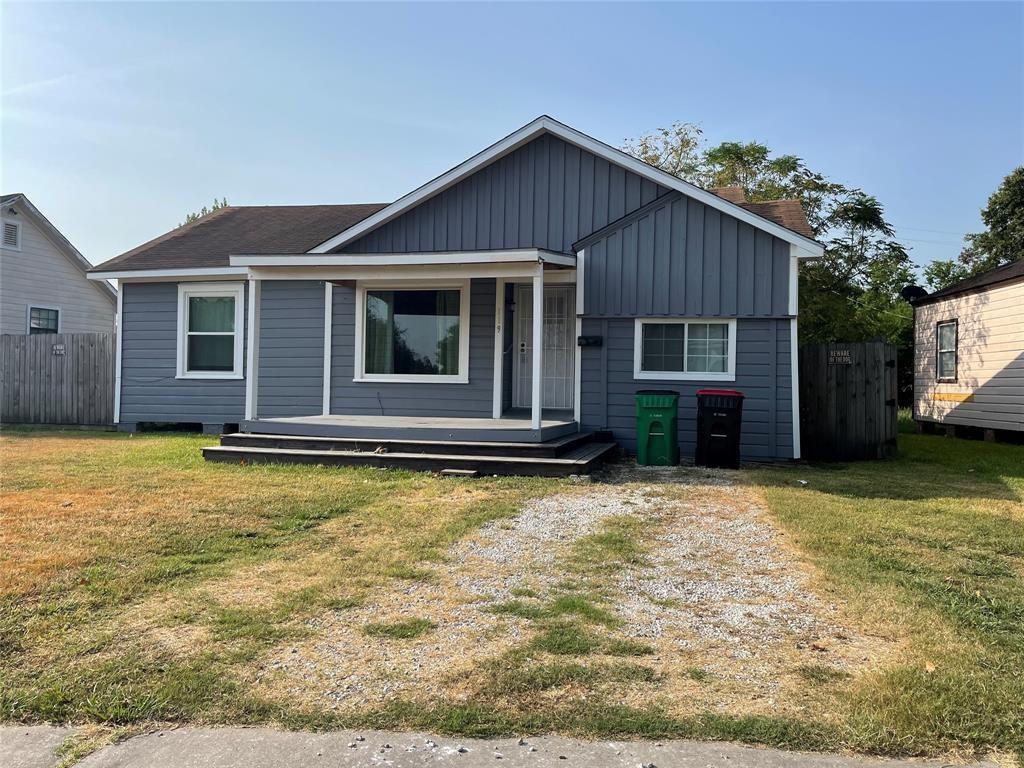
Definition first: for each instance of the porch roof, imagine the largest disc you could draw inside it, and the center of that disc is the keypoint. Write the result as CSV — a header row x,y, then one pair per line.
x,y
428,259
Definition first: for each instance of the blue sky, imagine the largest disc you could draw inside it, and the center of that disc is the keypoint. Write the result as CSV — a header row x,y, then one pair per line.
x,y
117,119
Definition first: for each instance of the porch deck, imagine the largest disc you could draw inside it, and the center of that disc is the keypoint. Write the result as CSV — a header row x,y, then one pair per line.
x,y
513,427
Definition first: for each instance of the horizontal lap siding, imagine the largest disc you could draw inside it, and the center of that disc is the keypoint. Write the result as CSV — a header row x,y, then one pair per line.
x,y
410,399
149,389
762,374
680,257
546,194
291,348
990,364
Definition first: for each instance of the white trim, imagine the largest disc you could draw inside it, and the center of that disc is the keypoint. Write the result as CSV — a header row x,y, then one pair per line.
x,y
545,124
521,269
17,227
499,347
158,275
252,365
360,375
794,279
328,332
641,375
794,386
430,258
35,305
537,388
581,265
234,289
119,327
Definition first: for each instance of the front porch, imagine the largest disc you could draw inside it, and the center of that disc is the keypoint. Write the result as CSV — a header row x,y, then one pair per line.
x,y
513,427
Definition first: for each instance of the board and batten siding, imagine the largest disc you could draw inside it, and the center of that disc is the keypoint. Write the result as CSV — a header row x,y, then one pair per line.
x,y
989,390
763,374
545,194
150,391
40,274
471,400
680,257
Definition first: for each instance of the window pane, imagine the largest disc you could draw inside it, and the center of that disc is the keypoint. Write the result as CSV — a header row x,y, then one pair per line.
x,y
42,320
718,331
947,336
412,332
211,353
211,314
947,365
698,331
662,347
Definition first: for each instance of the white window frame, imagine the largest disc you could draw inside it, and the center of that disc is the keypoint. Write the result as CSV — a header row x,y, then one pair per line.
x,y
16,247
233,290
462,286
955,350
641,375
36,305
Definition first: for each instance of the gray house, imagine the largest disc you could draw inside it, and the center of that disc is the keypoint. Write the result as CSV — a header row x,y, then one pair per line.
x,y
43,283
413,323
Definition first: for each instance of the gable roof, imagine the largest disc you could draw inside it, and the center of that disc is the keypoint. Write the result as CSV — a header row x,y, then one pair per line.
x,y
1004,274
207,242
63,244
546,124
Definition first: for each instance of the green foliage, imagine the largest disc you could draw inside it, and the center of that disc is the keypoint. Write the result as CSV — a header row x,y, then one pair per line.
x,y
1001,243
216,205
852,294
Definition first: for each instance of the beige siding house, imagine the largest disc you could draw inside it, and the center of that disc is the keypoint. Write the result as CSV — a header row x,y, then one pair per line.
x,y
969,353
43,286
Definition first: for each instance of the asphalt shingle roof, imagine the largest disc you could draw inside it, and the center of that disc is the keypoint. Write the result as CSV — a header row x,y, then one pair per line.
x,y
1012,271
269,229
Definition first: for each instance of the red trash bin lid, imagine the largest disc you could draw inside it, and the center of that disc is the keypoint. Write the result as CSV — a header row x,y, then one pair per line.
x,y
723,392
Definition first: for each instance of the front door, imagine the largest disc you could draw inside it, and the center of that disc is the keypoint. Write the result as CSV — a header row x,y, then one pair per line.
x,y
558,370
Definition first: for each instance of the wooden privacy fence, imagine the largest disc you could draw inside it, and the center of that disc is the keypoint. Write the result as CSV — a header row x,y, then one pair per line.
x,y
848,401
57,379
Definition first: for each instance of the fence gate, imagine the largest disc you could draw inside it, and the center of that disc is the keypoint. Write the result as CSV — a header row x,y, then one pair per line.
x,y
57,379
848,401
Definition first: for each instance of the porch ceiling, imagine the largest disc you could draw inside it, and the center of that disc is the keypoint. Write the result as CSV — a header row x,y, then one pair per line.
x,y
523,256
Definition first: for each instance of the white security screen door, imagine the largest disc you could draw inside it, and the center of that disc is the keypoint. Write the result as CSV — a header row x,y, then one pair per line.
x,y
558,371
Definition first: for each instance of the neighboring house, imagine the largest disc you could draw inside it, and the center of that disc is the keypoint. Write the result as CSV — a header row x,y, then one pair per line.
x,y
969,353
43,282
418,318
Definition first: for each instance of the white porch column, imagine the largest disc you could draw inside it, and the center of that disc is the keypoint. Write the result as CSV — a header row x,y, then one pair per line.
x,y
536,399
328,323
252,356
499,345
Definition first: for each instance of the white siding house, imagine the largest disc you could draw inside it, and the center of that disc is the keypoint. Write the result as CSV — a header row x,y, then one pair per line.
x,y
43,283
969,353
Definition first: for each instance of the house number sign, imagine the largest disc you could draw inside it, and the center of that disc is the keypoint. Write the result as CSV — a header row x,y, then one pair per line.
x,y
58,349
839,357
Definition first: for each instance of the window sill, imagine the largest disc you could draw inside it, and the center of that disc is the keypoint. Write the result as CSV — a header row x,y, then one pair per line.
x,y
411,379
211,376
668,376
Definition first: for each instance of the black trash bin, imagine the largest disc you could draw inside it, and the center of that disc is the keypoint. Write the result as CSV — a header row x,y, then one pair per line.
x,y
719,416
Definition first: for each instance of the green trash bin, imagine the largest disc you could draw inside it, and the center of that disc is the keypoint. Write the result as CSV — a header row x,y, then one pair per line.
x,y
657,427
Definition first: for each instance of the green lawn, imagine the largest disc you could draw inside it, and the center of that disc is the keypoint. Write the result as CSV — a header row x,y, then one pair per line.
x,y
138,585
930,546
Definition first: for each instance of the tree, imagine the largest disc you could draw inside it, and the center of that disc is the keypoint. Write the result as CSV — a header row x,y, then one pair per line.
x,y
852,293
215,206
1001,243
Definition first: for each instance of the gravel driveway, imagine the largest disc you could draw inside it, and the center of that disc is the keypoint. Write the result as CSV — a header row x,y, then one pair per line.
x,y
732,614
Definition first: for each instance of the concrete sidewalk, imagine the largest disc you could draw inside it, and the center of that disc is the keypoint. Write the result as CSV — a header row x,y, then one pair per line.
x,y
33,747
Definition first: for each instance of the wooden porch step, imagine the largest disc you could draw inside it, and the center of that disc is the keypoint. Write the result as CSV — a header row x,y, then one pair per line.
x,y
548,449
580,461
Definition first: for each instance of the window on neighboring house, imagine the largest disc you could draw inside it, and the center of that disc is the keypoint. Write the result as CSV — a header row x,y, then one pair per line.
x,y
945,345
12,234
210,323
684,349
43,320
411,334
